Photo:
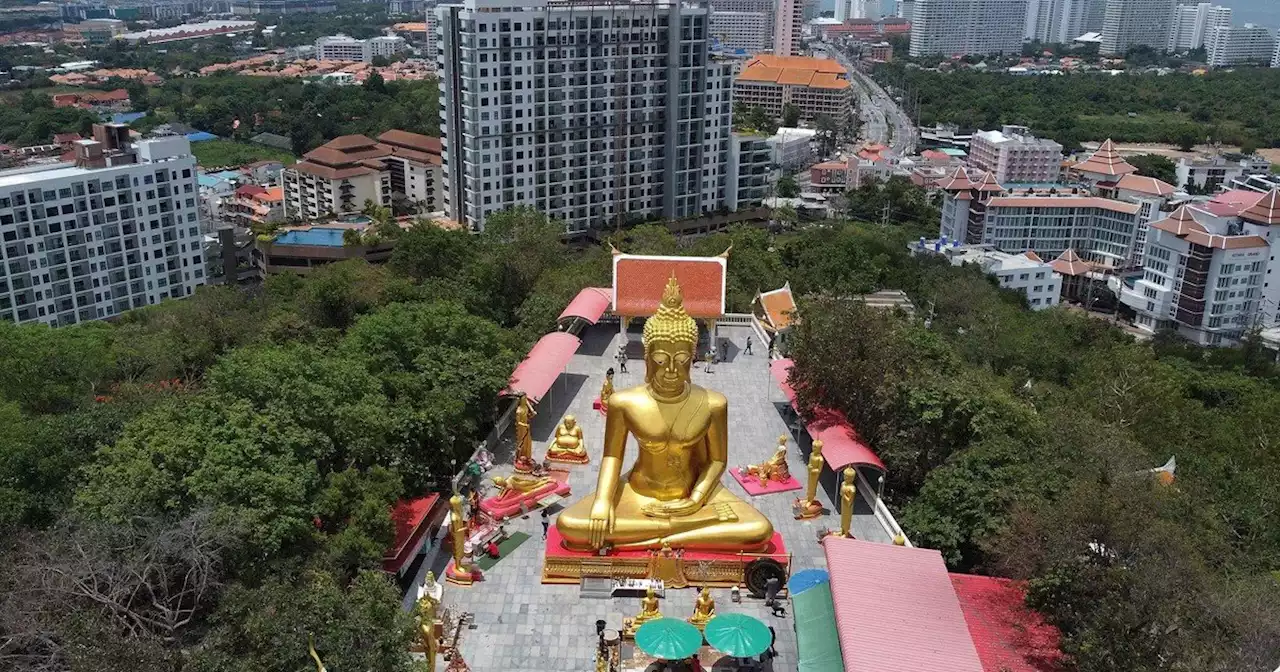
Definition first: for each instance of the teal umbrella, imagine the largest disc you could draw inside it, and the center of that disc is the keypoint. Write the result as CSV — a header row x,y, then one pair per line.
x,y
738,635
669,639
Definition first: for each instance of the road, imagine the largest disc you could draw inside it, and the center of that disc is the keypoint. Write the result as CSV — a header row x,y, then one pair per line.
x,y
883,121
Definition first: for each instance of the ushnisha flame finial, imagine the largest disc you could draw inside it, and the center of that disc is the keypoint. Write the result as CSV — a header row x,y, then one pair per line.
x,y
671,322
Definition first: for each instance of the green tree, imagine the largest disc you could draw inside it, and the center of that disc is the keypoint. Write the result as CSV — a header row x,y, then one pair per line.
x,y
787,187
1155,165
790,115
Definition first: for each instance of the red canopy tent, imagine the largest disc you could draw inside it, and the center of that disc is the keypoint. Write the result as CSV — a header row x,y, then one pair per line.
x,y
540,369
588,305
840,443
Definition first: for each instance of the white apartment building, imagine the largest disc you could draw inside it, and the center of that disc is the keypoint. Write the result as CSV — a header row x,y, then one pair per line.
x,y
1101,230
1015,155
792,148
748,31
1211,172
345,48
906,9
1131,23
526,87
1061,21
767,8
1025,272
864,9
117,229
1235,45
842,10
750,171
1207,268
431,50
957,27
1275,56
1191,23
787,23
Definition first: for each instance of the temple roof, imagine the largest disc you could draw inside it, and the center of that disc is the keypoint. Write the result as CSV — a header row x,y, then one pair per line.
x,y
778,306
1265,211
1145,185
1070,263
638,281
1180,222
1105,161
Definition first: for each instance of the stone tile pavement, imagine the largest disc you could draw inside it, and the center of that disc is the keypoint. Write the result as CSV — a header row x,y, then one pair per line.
x,y
521,624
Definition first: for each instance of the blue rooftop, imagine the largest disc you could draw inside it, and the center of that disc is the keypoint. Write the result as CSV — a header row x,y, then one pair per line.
x,y
314,236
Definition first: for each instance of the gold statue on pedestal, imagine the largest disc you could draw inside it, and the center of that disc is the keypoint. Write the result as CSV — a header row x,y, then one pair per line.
x,y
568,445
703,610
459,570
810,507
649,611
428,607
848,493
776,468
673,494
524,436
606,390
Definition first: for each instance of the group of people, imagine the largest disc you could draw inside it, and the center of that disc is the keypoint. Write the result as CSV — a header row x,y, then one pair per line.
x,y
713,355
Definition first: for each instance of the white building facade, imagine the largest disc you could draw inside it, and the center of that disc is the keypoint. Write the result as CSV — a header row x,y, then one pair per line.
x,y
1015,155
792,148
524,90
1133,23
956,27
1236,45
1191,22
1210,172
748,31
91,240
345,48
1026,273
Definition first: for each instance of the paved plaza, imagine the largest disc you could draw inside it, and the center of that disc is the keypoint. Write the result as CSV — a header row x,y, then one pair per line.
x,y
522,625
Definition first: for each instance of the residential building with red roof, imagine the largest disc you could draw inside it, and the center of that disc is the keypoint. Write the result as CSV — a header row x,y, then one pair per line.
x,y
817,86
340,175
1206,267
253,207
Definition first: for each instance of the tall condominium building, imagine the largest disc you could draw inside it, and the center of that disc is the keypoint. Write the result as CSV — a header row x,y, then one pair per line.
x,y
1206,269
1061,21
116,229
787,22
955,27
431,49
1190,24
1275,56
1235,45
1014,155
818,86
748,31
590,112
842,10
907,9
1135,23
766,8
345,48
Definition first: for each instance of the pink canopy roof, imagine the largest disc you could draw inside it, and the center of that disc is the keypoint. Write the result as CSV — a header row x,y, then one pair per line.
x,y
588,305
539,370
896,610
840,443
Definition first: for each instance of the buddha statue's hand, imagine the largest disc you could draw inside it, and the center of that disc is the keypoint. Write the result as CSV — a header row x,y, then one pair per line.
x,y
602,520
673,508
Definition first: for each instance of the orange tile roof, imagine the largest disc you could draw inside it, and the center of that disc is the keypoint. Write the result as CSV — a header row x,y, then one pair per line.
x,y
1069,263
779,306
831,165
760,73
1065,202
822,73
1265,211
796,76
1180,222
1033,256
804,62
638,282
1105,161
1225,242
1145,185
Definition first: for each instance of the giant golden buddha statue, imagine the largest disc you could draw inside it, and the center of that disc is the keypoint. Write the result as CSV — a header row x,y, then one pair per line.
x,y
672,495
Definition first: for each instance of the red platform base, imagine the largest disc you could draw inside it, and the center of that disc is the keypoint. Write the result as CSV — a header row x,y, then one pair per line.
x,y
515,503
752,484
691,567
459,577
597,405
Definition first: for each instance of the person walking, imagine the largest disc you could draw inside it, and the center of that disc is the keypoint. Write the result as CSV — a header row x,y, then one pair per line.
x,y
622,357
748,350
546,523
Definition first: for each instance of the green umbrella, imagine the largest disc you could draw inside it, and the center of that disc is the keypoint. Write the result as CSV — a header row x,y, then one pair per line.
x,y
668,639
738,635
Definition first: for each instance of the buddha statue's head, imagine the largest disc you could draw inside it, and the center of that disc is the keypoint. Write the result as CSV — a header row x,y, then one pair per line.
x,y
670,339
569,422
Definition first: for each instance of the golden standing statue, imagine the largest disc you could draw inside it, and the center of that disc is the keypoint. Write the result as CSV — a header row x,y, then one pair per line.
x,y
524,436
606,390
568,445
428,608
459,571
673,494
809,507
703,610
848,493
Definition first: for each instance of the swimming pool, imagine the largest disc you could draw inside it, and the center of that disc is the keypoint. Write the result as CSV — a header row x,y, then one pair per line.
x,y
314,236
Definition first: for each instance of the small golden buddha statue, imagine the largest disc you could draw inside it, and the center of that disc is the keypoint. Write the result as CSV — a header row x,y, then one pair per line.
x,y
809,507
848,493
703,609
606,390
673,493
568,445
518,483
524,436
649,611
459,571
776,468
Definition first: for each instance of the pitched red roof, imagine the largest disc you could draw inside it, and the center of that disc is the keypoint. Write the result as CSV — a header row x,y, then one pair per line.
x,y
1030,254
1180,222
1069,263
588,305
638,282
1009,637
896,609
989,183
1105,161
411,518
958,181
778,306
1145,185
1265,211
542,366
